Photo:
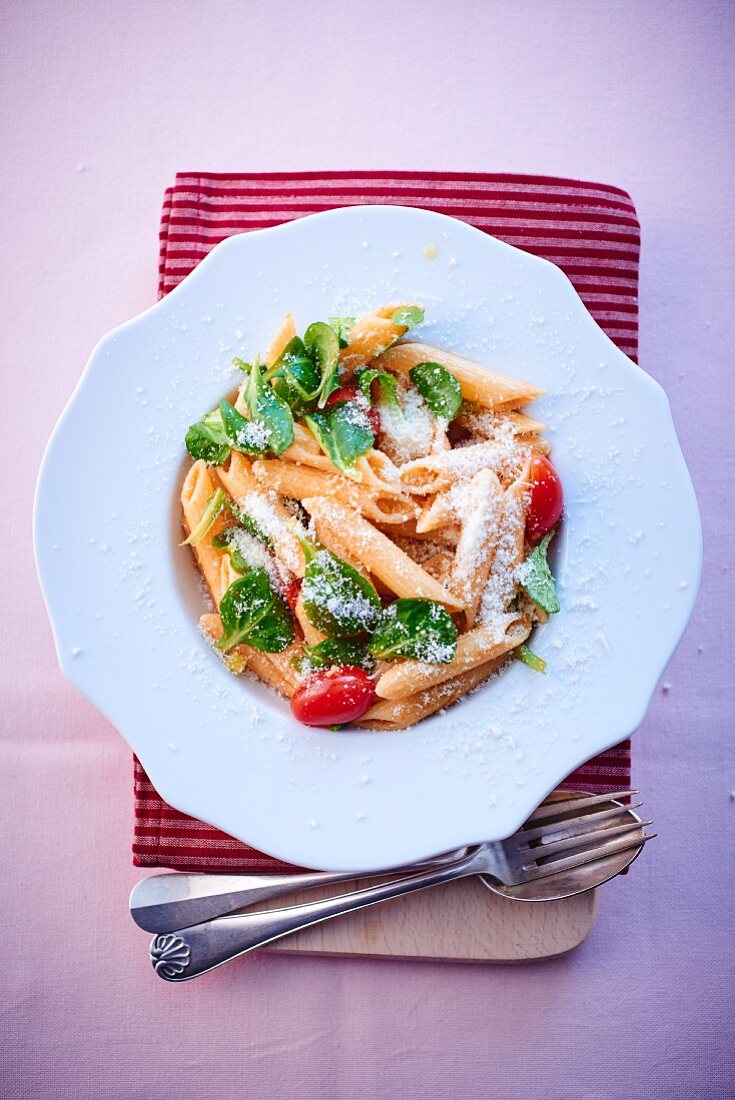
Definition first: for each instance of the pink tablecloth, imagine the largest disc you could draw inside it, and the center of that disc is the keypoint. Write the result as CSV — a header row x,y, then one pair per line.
x,y
102,101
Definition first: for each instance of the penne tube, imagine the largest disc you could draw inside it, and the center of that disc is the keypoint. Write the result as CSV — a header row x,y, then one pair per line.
x,y
439,513
378,554
477,647
296,481
274,669
236,475
370,336
199,484
436,472
486,424
480,514
379,472
479,384
285,334
390,715
304,456
283,668
502,582
311,635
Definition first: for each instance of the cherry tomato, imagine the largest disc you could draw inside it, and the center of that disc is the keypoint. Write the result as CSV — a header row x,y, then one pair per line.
x,y
293,590
547,499
333,696
350,392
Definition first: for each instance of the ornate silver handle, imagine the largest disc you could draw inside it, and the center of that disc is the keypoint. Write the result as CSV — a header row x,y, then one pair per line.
x,y
192,951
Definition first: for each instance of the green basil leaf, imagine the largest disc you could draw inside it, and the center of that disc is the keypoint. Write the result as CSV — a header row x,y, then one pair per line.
x,y
254,614
344,434
247,436
523,653
295,376
537,579
212,509
419,629
410,316
225,541
337,599
342,326
387,383
440,390
268,412
339,651
322,344
207,440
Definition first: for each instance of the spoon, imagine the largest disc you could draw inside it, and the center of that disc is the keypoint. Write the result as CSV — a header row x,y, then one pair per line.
x,y
584,853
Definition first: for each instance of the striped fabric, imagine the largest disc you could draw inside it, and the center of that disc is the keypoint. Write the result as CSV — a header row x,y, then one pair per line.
x,y
589,230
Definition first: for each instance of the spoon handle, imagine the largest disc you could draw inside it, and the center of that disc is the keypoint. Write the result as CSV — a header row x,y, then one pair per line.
x,y
163,903
189,952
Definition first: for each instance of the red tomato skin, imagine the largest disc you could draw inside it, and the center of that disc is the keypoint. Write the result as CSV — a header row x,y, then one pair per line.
x,y
333,697
547,499
292,593
351,392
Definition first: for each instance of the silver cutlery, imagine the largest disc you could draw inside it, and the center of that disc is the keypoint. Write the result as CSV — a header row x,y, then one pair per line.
x,y
581,840
163,903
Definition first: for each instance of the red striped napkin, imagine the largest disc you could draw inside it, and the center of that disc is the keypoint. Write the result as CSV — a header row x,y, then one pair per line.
x,y
589,230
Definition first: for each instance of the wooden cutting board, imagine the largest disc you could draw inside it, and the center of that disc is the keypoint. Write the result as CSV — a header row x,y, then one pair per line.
x,y
462,921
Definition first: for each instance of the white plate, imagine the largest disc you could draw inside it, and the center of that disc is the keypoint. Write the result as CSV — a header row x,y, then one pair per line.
x,y
124,600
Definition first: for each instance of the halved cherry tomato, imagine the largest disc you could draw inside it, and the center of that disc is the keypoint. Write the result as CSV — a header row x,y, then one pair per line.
x,y
333,696
293,590
547,499
351,392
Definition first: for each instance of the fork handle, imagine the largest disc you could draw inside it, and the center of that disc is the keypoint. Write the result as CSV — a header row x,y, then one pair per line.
x,y
189,952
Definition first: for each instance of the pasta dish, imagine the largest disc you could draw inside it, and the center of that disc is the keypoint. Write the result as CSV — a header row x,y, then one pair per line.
x,y
371,516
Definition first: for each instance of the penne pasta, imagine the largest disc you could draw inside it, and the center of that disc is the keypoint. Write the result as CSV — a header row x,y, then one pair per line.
x,y
479,385
436,515
430,531
297,482
285,334
198,487
311,635
376,552
370,336
236,475
485,424
437,472
389,715
278,674
479,511
477,647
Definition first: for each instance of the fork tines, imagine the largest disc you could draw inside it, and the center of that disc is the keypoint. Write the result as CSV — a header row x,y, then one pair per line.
x,y
590,835
549,810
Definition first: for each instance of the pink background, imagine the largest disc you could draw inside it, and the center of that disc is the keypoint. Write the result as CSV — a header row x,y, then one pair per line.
x,y
102,104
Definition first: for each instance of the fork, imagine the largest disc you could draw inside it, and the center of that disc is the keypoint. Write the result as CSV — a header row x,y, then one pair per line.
x,y
163,903
545,845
